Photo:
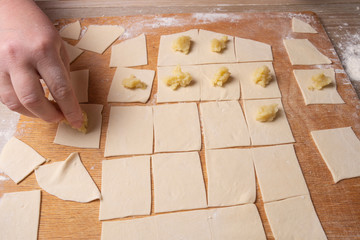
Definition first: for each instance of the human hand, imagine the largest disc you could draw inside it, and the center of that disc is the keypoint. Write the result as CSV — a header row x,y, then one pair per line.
x,y
30,49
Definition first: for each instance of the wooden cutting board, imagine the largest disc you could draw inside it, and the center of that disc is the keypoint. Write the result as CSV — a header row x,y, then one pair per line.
x,y
338,206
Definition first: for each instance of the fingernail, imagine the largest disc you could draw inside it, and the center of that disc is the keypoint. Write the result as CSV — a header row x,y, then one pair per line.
x,y
77,124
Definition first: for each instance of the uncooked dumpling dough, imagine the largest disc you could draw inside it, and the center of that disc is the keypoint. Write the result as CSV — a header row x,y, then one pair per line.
x,y
71,31
301,27
73,52
68,180
248,50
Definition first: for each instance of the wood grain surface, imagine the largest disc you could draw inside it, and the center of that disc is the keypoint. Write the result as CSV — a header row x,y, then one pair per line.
x,y
337,205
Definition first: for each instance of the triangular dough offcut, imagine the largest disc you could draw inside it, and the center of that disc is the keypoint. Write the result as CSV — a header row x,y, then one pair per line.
x,y
72,51
248,50
302,27
71,31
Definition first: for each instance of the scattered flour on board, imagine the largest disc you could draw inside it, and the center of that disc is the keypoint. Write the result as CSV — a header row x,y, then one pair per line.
x,y
350,48
8,123
3,178
215,17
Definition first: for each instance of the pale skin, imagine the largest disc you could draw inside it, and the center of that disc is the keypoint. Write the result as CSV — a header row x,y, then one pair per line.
x,y
30,49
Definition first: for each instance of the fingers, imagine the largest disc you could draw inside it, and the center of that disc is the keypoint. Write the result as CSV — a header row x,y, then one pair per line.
x,y
65,57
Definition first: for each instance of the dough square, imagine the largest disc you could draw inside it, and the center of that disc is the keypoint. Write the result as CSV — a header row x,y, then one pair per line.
x,y
118,93
227,55
303,52
178,182
301,27
231,177
327,95
129,53
72,51
168,57
98,38
248,50
340,149
278,172
229,91
267,133
68,136
239,222
130,131
18,159
294,218
131,178
20,212
177,127
71,31
181,94
223,125
251,90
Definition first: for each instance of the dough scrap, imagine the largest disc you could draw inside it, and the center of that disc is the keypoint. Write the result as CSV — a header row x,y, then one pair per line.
x,y
328,95
118,93
68,180
19,215
340,149
269,133
98,38
68,136
231,177
125,187
223,125
130,131
294,218
73,52
71,31
178,182
18,159
278,172
177,127
301,26
248,50
129,53
303,52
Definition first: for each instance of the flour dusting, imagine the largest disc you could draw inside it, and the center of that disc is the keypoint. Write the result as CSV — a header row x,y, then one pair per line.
x,y
8,124
3,178
215,17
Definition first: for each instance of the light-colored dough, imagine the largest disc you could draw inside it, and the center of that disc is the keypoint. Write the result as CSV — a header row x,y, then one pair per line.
x,y
130,131
251,90
267,133
72,51
118,93
18,159
340,149
301,27
227,55
303,52
229,91
125,187
223,125
129,53
68,180
231,177
294,218
248,50
168,57
98,38
71,31
177,127
278,172
68,136
178,182
327,95
189,93
19,215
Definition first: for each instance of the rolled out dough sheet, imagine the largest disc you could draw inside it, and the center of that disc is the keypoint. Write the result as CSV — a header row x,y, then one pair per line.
x,y
118,93
68,180
327,95
130,131
267,133
72,51
68,136
340,149
125,187
18,159
223,125
248,50
71,31
303,52
278,172
98,38
129,53
178,182
19,215
181,94
231,177
301,26
177,127
294,218
250,90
